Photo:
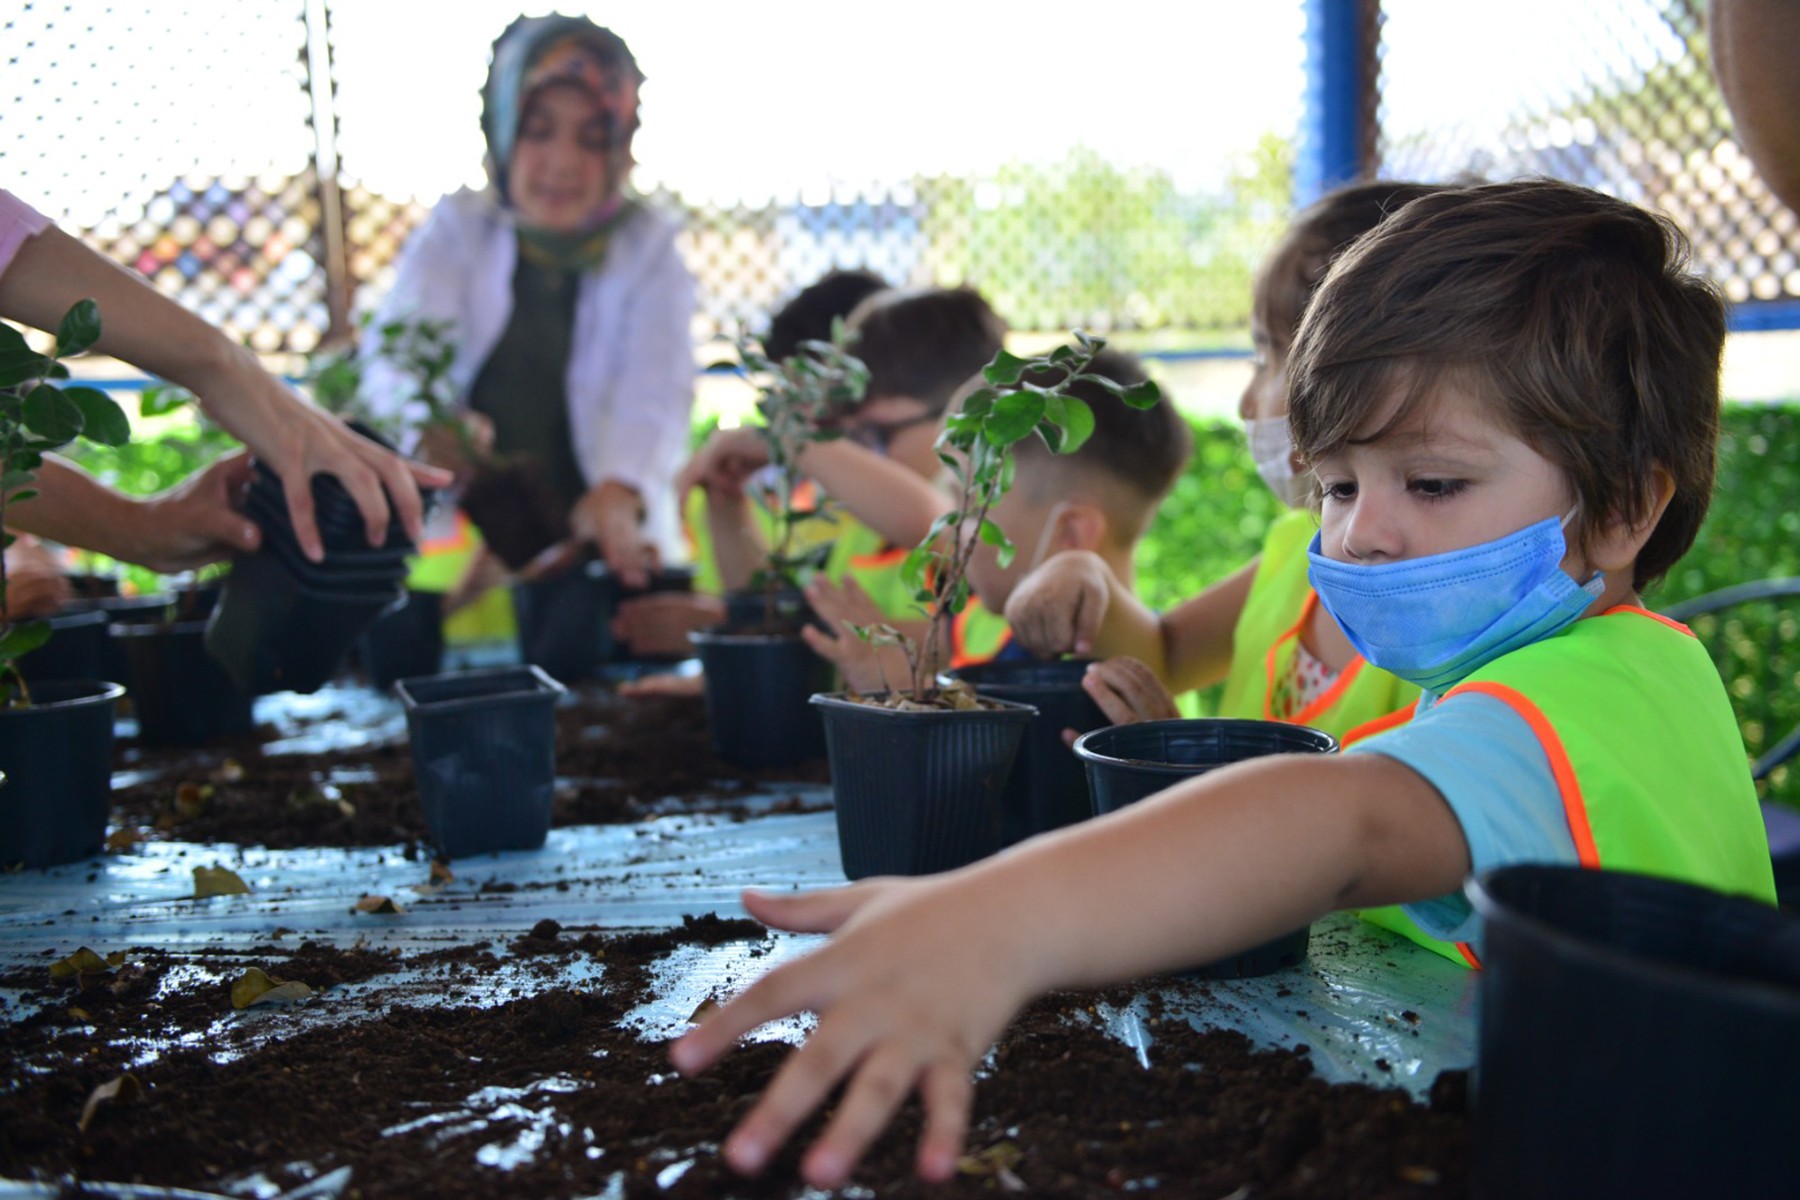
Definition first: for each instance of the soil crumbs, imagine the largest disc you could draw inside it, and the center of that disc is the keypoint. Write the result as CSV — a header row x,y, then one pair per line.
x,y
553,1094
618,761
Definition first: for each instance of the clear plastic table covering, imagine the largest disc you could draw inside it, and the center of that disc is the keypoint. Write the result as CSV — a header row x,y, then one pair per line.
x,y
1370,1006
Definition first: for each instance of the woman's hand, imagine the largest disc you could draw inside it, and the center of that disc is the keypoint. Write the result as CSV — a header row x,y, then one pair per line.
x,y
921,977
610,516
1127,691
1058,608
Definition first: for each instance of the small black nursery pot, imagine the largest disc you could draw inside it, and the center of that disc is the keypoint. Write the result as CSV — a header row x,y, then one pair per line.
x,y
1639,1037
918,792
565,622
1126,763
484,756
758,697
1048,787
405,642
76,649
56,756
273,632
181,696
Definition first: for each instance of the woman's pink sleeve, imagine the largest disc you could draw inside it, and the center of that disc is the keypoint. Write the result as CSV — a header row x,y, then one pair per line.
x,y
18,221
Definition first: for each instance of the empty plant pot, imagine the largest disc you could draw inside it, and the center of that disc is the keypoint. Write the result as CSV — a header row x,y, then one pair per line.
x,y
181,696
405,642
758,697
484,756
56,757
1126,763
1048,787
918,792
565,622
1639,1037
76,649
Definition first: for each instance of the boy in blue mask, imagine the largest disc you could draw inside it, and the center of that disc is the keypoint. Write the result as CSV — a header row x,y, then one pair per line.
x,y
1483,363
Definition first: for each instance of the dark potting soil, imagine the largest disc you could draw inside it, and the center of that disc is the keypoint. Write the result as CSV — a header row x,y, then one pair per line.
x,y
518,514
548,1091
618,760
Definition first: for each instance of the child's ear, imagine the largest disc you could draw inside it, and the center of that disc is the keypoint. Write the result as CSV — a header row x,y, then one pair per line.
x,y
1616,545
1081,527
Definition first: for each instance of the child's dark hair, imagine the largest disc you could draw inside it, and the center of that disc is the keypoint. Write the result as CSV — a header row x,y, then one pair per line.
x,y
1141,451
925,343
1571,313
808,316
1324,230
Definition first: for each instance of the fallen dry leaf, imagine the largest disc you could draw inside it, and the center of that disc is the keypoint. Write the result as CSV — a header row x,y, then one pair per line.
x,y
83,961
441,872
218,881
82,1015
997,1158
255,986
122,839
122,1090
229,771
377,904
191,799
707,1008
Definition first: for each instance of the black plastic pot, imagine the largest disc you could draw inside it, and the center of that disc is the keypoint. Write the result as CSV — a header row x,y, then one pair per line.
x,y
749,610
1126,763
565,622
406,642
1048,787
56,757
484,756
918,792
1639,1037
273,633
758,697
76,649
181,696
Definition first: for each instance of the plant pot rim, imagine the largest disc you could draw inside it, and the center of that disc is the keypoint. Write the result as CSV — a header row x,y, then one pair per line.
x,y
1088,754
718,635
1693,984
967,674
993,707
535,682
102,689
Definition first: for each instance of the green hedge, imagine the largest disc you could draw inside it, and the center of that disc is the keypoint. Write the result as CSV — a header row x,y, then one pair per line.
x,y
1215,519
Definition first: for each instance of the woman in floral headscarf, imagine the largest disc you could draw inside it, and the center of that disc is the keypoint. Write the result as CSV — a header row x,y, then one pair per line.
x,y
564,294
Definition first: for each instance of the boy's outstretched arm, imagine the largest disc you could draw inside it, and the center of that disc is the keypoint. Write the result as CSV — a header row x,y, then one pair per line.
x,y
923,975
892,499
1075,604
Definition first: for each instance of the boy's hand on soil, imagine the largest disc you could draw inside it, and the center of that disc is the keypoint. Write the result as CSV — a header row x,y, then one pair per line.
x,y
1058,608
907,1000
1127,690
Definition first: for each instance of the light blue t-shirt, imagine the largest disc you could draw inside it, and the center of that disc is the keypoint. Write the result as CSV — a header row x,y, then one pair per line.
x,y
1489,766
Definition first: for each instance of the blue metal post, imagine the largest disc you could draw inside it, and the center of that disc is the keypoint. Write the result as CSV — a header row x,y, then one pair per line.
x,y
1330,149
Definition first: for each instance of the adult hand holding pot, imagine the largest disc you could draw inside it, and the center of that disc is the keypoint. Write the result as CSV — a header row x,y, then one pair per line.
x,y
609,517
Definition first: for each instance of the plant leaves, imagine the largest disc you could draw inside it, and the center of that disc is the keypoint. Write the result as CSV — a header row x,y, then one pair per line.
x,y
20,363
218,881
22,639
50,414
1142,395
255,986
80,328
1005,369
122,1090
103,420
993,535
1013,418
1077,425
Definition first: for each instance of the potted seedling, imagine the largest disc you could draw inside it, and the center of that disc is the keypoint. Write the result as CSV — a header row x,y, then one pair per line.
x,y
917,771
56,738
759,672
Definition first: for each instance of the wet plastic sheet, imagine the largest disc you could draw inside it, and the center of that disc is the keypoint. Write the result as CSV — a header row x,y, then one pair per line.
x,y
1371,1007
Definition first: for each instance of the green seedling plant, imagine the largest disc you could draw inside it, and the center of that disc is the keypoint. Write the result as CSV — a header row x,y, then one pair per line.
x,y
39,414
1018,398
799,400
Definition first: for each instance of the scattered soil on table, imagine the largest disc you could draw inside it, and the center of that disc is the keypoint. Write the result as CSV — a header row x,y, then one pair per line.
x,y
553,1094
619,759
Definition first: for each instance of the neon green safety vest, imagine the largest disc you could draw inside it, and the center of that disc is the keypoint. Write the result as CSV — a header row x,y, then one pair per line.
x,y
861,554
1280,602
977,634
1645,751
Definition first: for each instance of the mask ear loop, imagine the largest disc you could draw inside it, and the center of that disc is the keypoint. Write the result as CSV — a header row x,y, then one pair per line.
x,y
1056,510
1596,583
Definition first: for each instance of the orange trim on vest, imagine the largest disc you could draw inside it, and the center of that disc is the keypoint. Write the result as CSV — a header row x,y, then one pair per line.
x,y
1382,724
461,539
959,649
805,496
1574,807
1468,953
881,558
1644,612
1331,694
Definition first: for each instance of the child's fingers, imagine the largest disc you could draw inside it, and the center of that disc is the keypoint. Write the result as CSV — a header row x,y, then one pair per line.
x,y
783,992
824,644
1117,709
807,912
1138,685
881,1082
804,1080
947,1094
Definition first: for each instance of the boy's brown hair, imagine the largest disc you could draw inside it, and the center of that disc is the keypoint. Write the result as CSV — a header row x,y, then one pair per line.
x,y
925,343
1137,454
1292,272
1571,313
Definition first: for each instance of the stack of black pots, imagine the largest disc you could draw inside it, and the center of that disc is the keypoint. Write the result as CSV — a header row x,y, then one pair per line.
x,y
285,622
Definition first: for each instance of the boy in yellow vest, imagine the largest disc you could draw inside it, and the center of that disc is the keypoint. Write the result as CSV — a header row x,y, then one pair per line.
x,y
1261,629
1097,502
1510,397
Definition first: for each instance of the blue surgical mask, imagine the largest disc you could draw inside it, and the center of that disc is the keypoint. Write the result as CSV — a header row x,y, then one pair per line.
x,y
1435,620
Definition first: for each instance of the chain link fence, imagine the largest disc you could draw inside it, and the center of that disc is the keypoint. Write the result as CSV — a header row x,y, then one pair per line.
x,y
112,130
